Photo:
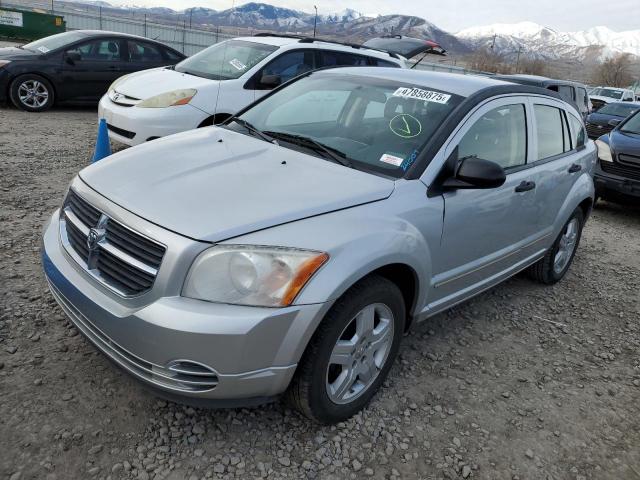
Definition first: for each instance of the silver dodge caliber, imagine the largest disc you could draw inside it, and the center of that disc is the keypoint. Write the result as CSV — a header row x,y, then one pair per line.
x,y
288,250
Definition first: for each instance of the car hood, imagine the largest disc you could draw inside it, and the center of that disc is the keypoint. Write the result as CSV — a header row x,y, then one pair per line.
x,y
13,53
149,83
625,143
213,184
601,118
603,99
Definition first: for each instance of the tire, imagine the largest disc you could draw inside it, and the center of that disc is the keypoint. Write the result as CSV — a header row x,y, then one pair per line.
x,y
315,389
32,93
546,270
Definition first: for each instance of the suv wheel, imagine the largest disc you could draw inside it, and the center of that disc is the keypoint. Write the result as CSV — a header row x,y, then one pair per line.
x,y
351,353
32,93
554,265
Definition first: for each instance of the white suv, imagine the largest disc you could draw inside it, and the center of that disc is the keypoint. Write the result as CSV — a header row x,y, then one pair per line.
x,y
214,84
600,96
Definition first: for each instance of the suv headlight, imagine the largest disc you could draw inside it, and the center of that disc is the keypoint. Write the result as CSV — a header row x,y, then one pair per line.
x,y
169,99
4,62
251,275
604,151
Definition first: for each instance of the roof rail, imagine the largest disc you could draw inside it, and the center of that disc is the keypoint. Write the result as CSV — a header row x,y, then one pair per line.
x,y
324,40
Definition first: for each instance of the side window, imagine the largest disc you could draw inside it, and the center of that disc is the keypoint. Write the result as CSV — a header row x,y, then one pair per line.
x,y
566,93
581,98
500,136
376,62
552,131
171,55
329,58
578,134
311,107
98,50
144,52
289,65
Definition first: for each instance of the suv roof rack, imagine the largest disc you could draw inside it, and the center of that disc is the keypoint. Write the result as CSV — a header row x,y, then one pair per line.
x,y
303,39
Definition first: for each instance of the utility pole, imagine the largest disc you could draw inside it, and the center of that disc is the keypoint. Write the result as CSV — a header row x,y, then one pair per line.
x,y
518,58
493,43
190,16
315,22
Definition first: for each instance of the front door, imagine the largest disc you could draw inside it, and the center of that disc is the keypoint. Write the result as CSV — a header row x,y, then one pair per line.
x,y
96,65
489,233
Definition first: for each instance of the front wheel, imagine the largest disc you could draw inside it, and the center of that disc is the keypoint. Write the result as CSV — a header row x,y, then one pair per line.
x,y
554,265
351,353
32,93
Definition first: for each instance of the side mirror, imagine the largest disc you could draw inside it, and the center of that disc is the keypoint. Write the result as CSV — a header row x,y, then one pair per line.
x,y
474,172
270,81
614,121
72,57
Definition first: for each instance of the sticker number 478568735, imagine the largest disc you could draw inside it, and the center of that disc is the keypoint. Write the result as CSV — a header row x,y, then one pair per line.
x,y
420,94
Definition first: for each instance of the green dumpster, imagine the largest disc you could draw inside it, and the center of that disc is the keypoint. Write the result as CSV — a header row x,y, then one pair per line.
x,y
26,25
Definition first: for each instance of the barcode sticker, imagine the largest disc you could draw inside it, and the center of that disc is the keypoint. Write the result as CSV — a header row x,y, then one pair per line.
x,y
419,94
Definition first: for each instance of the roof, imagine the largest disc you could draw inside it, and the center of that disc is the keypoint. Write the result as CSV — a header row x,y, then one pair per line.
x,y
536,80
107,33
463,85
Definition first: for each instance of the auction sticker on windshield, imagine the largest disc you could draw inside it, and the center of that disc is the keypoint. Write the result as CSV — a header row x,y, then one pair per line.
x,y
237,64
391,159
419,94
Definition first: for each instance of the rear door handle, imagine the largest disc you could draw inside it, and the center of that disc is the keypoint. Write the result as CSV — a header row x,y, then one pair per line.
x,y
525,186
575,168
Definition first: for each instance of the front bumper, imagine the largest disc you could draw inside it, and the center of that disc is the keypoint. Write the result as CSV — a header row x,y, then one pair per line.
x,y
133,125
607,182
149,341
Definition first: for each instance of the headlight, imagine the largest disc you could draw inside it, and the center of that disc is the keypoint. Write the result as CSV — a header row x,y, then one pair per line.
x,y
604,151
169,99
248,275
4,62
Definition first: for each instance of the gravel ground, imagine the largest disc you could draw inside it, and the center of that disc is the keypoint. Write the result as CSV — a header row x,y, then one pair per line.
x,y
523,382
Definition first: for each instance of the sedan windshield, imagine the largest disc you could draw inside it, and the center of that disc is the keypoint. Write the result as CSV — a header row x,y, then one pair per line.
x,y
226,60
632,125
372,124
608,92
47,44
618,109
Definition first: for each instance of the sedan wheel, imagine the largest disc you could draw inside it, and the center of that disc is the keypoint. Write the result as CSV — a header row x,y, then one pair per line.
x,y
32,93
567,246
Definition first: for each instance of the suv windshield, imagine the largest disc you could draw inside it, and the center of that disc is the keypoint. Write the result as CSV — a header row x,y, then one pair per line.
x,y
618,109
372,124
607,92
45,45
226,60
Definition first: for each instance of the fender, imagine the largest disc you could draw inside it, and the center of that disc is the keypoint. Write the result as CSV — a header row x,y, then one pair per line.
x,y
583,189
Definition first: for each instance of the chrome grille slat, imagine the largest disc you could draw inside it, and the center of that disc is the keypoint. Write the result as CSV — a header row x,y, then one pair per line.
x,y
124,260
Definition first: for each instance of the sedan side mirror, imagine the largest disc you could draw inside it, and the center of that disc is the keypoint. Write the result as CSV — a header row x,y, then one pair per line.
x,y
72,57
614,121
474,172
270,81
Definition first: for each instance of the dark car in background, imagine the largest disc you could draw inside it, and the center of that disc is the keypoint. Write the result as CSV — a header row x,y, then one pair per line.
x,y
617,173
604,120
573,92
76,66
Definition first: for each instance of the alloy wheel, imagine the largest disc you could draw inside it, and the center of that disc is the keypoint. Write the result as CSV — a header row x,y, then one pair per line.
x,y
360,353
566,246
33,94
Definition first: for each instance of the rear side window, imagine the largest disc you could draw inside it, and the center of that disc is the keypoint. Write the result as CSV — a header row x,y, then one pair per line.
x,y
383,63
144,52
500,136
566,92
581,97
578,134
171,55
552,132
330,58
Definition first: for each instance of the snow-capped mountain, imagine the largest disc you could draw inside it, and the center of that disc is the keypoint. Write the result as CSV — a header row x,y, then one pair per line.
x,y
545,42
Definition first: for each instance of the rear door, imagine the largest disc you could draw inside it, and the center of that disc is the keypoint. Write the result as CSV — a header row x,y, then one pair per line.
x,y
489,233
100,62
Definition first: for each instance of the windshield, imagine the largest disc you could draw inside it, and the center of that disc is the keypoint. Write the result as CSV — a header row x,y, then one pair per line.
x,y
373,124
618,109
608,92
632,125
45,45
226,60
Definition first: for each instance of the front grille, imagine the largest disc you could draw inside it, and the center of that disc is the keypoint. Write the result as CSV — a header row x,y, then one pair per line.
x,y
183,375
124,260
595,131
632,160
121,131
621,170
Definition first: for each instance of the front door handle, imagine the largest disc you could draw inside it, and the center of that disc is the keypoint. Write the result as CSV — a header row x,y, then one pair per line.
x,y
575,168
525,186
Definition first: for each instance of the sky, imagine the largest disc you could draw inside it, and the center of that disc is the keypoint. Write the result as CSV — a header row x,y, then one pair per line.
x,y
454,15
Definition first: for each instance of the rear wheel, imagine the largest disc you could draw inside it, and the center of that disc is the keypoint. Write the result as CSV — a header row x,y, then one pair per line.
x,y
32,93
351,353
554,265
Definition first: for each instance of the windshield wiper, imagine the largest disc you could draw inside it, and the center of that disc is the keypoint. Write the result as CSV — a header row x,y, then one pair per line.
x,y
331,153
257,132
